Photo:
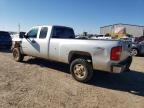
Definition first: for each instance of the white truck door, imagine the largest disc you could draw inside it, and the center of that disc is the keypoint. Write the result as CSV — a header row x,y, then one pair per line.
x,y
30,45
43,42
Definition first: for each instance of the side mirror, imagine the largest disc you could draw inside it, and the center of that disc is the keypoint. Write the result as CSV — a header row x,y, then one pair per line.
x,y
26,36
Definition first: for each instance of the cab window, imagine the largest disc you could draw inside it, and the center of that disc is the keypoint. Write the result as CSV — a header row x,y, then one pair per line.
x,y
32,33
63,32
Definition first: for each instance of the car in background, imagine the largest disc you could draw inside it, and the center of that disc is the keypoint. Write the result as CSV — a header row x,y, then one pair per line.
x,y
139,39
137,46
5,40
81,37
17,35
101,37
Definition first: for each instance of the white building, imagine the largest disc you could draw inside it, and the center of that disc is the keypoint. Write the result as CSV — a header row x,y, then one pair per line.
x,y
134,30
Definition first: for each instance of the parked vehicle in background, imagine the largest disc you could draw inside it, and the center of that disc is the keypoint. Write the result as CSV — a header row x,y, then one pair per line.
x,y
101,37
58,43
137,48
139,39
82,37
5,40
18,35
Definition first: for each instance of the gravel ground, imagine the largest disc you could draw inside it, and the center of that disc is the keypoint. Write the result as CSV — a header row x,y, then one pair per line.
x,y
37,83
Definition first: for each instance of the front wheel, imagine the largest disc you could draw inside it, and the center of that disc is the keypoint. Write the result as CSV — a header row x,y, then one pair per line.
x,y
81,70
18,57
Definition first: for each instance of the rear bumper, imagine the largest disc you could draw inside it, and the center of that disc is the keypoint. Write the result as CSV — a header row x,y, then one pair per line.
x,y
122,66
118,68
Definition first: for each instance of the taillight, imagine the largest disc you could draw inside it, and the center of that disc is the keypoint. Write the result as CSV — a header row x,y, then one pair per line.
x,y
115,53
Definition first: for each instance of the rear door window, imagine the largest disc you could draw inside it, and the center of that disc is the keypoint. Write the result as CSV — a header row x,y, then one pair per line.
x,y
43,32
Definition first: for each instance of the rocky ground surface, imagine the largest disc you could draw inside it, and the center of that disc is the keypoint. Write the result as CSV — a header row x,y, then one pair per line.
x,y
37,83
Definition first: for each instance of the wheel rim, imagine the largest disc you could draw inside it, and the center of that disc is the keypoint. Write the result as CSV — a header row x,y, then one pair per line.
x,y
134,52
79,71
15,54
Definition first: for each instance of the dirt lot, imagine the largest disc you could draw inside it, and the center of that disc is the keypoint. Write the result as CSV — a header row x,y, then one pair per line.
x,y
38,83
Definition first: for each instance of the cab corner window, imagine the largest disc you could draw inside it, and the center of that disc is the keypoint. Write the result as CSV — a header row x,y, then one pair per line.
x,y
43,32
33,33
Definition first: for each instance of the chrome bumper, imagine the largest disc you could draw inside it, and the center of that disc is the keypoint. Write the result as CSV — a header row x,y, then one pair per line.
x,y
118,68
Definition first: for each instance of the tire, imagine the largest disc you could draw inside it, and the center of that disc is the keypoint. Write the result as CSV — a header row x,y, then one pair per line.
x,y
81,70
18,57
134,52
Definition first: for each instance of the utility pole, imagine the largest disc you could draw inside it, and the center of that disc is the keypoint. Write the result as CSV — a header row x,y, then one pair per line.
x,y
19,28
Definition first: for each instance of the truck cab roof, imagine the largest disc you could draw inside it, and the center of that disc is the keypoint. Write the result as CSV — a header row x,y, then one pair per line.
x,y
51,26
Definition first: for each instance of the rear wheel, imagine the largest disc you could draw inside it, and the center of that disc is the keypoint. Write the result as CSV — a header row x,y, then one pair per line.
x,y
81,70
18,57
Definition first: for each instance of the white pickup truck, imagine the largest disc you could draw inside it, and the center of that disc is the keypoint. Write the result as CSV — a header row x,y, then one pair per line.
x,y
58,43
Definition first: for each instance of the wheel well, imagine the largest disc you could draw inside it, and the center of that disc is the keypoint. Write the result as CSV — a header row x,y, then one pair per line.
x,y
16,45
78,54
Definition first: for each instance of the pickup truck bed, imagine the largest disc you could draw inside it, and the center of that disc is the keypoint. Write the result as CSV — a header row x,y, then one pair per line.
x,y
99,50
